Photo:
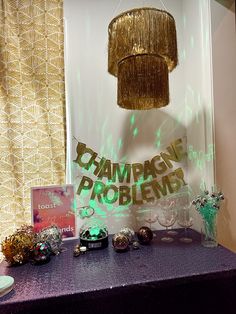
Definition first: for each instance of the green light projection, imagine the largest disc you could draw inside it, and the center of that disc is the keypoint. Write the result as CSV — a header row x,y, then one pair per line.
x,y
135,132
200,158
132,119
120,143
105,207
116,211
116,148
158,138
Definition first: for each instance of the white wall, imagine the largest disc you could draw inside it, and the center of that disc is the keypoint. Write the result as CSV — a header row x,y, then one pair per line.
x,y
198,98
135,136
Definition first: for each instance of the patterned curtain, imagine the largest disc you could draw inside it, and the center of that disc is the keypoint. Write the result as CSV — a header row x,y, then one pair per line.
x,y
32,105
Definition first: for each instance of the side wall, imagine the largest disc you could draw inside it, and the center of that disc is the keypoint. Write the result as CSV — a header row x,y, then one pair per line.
x,y
224,70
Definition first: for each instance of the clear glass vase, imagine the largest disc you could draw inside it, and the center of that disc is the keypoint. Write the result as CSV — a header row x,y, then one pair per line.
x,y
209,231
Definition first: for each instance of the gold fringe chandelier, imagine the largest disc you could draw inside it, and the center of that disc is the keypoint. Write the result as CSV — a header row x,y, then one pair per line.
x,y
142,50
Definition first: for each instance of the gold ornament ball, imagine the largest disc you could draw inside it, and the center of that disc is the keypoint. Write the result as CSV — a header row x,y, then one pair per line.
x,y
145,235
17,248
120,242
76,251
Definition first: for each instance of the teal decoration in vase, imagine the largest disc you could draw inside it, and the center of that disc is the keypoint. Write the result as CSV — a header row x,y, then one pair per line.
x,y
208,206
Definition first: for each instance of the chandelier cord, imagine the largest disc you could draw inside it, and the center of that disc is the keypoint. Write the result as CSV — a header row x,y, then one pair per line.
x,y
143,4
163,5
117,7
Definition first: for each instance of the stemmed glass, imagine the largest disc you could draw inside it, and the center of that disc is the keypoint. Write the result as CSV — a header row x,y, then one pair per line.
x,y
150,216
185,220
174,202
166,217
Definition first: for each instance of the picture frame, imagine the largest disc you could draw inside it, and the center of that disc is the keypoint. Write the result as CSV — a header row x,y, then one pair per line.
x,y
54,205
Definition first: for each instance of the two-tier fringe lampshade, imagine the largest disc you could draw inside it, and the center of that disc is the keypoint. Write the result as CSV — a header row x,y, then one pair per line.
x,y
142,49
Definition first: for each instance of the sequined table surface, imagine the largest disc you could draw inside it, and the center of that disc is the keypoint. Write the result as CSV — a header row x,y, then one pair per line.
x,y
176,277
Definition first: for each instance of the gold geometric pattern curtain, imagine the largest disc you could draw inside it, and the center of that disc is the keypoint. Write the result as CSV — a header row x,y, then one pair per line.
x,y
32,104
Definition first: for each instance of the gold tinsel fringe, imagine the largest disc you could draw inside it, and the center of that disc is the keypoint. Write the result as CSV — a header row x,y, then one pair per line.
x,y
143,82
17,248
142,31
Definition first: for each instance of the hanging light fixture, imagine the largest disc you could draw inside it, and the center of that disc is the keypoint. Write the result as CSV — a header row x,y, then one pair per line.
x,y
142,49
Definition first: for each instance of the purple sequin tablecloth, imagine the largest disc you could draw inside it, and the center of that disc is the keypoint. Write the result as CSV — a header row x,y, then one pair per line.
x,y
158,277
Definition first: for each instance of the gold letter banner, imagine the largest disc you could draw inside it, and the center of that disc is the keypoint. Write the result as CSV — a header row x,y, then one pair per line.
x,y
147,183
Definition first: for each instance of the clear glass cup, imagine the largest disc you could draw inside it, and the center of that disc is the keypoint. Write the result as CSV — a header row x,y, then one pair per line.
x,y
209,230
174,201
185,220
166,217
150,214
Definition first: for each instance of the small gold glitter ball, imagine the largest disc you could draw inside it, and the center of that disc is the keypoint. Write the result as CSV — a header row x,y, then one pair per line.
x,y
76,251
120,242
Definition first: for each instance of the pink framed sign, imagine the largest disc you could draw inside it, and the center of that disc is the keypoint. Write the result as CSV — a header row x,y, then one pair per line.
x,y
54,205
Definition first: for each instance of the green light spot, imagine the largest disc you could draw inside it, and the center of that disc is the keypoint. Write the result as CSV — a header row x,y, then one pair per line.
x,y
94,231
110,207
120,143
135,132
84,193
121,209
158,143
200,164
98,189
92,203
199,157
140,181
74,206
132,119
100,212
119,215
158,133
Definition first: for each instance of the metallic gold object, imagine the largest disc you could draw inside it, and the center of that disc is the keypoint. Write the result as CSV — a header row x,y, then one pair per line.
x,y
142,49
120,242
143,82
17,248
76,251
